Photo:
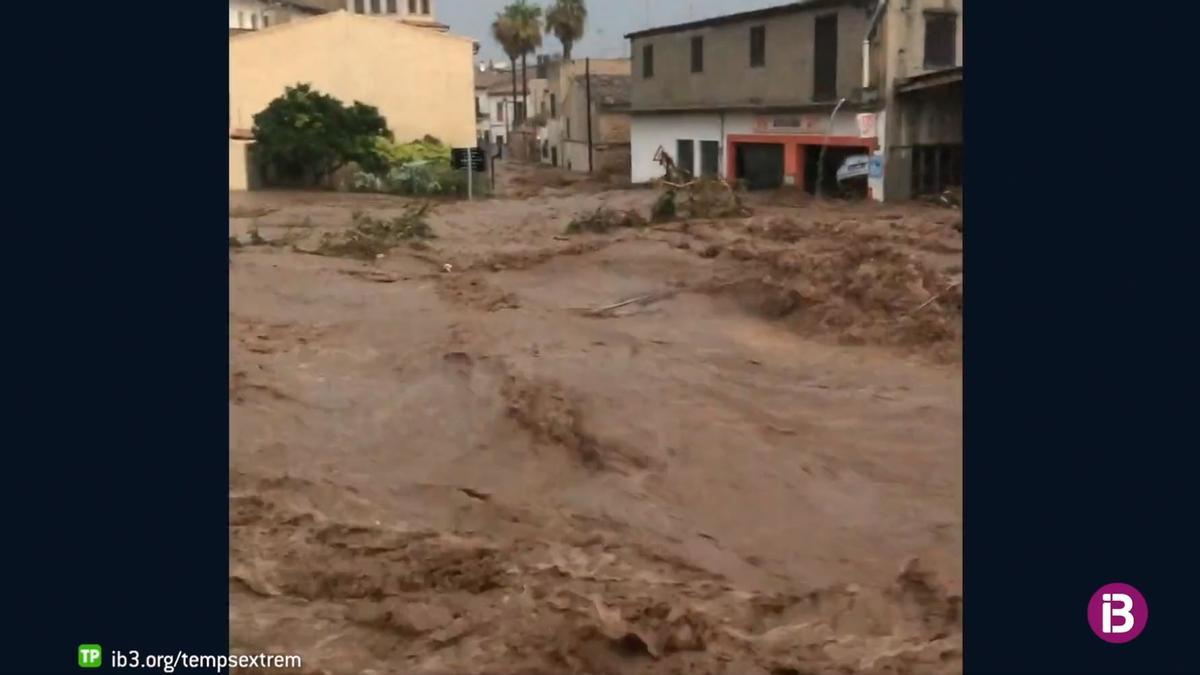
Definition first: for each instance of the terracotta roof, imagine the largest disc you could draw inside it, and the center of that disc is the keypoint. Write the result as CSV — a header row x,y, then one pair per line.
x,y
426,23
756,14
610,91
342,15
318,5
486,79
505,86
935,78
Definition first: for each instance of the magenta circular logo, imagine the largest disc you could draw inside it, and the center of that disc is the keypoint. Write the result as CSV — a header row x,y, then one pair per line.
x,y
1117,613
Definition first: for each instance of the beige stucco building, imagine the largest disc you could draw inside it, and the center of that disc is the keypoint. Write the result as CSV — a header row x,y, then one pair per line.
x,y
565,134
916,67
785,95
421,80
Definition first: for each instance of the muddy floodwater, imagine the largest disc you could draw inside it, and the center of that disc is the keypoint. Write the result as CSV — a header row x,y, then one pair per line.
x,y
724,445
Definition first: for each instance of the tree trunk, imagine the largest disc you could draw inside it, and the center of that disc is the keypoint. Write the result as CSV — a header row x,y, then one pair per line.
x,y
524,87
567,44
514,110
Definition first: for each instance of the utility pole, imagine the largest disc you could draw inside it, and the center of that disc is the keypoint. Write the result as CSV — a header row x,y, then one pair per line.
x,y
587,69
470,176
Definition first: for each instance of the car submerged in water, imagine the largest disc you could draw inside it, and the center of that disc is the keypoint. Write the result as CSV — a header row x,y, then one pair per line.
x,y
854,166
852,177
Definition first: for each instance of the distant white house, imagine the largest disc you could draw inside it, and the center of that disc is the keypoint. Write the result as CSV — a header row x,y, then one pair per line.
x,y
245,15
497,111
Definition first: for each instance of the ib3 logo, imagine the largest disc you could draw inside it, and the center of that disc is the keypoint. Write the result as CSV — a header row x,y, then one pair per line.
x,y
1117,613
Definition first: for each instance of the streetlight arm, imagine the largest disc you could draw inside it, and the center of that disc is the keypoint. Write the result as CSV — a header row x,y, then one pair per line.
x,y
821,158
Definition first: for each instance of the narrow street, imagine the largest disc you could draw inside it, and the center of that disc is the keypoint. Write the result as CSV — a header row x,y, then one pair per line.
x,y
707,446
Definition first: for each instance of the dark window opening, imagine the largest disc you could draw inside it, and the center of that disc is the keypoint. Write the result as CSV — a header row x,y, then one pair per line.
x,y
825,52
936,167
554,156
648,62
391,6
360,6
412,6
553,105
425,6
375,8
686,156
941,29
758,46
500,111
266,20
759,165
698,54
254,21
519,112
824,166
710,153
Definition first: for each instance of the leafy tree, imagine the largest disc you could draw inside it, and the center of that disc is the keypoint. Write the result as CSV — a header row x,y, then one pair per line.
x,y
526,22
567,19
306,135
504,30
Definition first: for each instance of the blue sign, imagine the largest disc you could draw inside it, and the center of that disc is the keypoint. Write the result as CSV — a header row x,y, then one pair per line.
x,y
876,169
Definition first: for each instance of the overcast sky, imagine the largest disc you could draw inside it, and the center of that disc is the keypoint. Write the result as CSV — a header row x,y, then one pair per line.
x,y
608,21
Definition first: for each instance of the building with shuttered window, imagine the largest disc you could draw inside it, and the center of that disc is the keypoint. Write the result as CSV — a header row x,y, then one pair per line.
x,y
783,97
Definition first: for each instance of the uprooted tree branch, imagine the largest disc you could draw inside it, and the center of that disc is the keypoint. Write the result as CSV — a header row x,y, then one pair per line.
x,y
706,197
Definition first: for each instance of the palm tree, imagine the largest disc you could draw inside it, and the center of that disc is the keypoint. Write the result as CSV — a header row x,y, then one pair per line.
x,y
505,32
567,19
526,20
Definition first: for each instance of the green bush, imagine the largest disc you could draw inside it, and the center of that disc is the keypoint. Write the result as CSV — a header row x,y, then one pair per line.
x,y
304,135
428,149
420,168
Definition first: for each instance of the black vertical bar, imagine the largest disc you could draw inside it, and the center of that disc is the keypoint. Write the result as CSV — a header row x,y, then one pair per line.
x,y
587,69
937,169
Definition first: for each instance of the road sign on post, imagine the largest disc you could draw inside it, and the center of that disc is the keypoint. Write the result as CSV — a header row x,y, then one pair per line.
x,y
474,160
477,158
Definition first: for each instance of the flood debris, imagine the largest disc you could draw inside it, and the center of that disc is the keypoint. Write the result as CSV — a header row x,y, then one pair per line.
x,y
713,198
369,238
604,220
664,208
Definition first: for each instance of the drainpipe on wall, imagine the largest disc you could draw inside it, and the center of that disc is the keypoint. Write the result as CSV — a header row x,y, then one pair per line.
x,y
871,26
587,65
721,151
866,56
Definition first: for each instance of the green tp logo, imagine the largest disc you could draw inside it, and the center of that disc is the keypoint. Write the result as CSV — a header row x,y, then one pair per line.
x,y
90,656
